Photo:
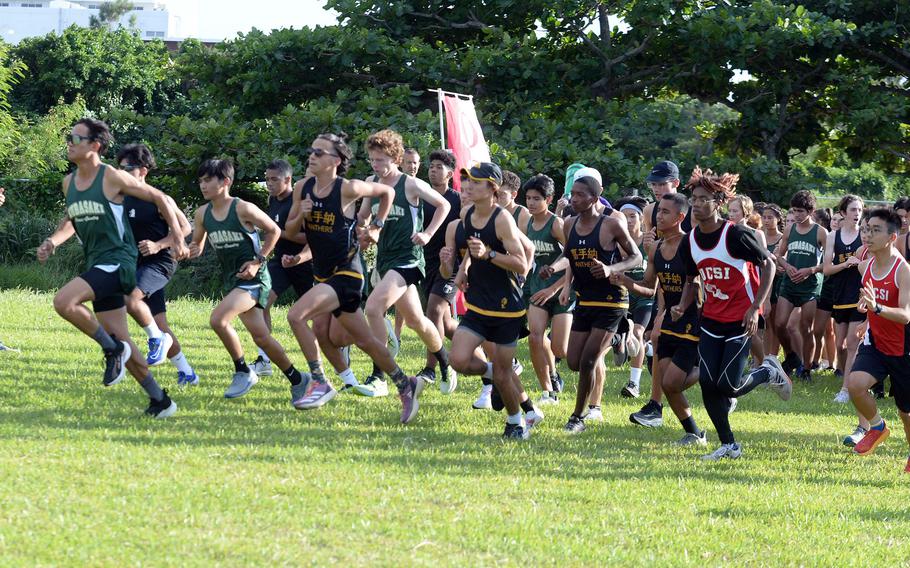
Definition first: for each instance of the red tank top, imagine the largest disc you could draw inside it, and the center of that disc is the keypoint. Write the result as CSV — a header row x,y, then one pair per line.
x,y
729,283
889,337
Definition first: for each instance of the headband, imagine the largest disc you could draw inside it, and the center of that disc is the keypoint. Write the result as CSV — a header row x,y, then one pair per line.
x,y
633,207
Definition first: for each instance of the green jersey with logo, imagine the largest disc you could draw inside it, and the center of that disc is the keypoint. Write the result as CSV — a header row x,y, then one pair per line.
x,y
546,250
395,249
235,245
102,226
803,252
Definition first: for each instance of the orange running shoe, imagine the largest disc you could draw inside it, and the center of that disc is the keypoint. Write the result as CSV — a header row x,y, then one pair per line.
x,y
871,440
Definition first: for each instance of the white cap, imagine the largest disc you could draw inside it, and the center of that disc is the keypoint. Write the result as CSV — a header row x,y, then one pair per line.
x,y
588,172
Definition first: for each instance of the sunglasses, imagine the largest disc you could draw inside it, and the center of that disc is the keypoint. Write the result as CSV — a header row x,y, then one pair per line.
x,y
77,139
319,152
130,167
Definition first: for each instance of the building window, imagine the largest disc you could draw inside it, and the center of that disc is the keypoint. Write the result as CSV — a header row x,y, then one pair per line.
x,y
31,5
154,34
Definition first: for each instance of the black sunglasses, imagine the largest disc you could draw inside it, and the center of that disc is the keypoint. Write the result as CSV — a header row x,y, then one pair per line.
x,y
130,167
319,152
78,138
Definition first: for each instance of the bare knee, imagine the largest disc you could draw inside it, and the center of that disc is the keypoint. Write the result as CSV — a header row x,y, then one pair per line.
x,y
536,340
218,322
63,305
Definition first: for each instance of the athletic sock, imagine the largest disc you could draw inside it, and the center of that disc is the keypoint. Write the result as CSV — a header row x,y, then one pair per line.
x,y
650,363
557,360
635,375
488,374
152,330
443,357
486,382
689,426
240,365
263,355
293,375
527,406
150,385
877,423
179,361
377,372
514,418
400,379
104,340
347,377
316,370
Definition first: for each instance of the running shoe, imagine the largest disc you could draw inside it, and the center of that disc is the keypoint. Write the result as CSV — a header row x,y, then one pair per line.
x,y
319,394
649,349
393,344
261,366
241,383
618,347
630,390
449,381
575,425
650,415
780,382
158,348
838,373
725,451
593,415
408,396
483,401
299,391
427,375
734,402
547,398
557,382
517,367
871,440
516,432
851,440
161,408
691,439
842,396
115,362
533,418
633,347
187,380
373,387
824,365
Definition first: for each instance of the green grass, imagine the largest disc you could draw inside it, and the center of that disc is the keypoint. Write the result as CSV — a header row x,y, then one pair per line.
x,y
85,479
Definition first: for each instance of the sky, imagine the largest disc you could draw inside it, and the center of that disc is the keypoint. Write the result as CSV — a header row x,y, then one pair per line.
x,y
221,19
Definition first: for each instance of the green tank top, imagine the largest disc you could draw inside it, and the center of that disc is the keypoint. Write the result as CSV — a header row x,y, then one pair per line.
x,y
546,250
803,252
234,245
102,226
395,249
638,273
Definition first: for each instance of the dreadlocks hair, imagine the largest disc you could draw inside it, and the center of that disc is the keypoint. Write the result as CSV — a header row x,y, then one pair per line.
x,y
721,186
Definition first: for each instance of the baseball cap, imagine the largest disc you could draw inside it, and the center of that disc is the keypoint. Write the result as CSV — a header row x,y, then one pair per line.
x,y
486,171
588,172
663,171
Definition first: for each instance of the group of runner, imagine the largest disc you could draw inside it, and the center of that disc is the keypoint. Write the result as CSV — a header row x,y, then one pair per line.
x,y
691,284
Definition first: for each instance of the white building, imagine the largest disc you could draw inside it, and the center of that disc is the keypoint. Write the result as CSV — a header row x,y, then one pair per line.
x,y
20,19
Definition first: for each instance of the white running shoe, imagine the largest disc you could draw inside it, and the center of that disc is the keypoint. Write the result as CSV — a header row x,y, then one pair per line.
x,y
449,386
852,439
693,439
548,398
630,390
261,366
483,401
517,367
725,451
823,364
534,418
373,387
780,382
842,397
649,349
593,415
241,383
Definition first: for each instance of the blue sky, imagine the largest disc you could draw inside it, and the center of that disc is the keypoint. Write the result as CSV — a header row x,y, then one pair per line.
x,y
220,19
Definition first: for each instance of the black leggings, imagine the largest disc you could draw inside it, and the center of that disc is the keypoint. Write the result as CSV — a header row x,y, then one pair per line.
x,y
721,364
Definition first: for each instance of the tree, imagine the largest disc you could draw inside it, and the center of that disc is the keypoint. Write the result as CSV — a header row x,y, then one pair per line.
x,y
111,12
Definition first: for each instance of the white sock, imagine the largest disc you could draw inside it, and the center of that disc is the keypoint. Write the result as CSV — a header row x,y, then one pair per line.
x,y
152,330
486,389
488,374
179,361
514,418
263,355
348,377
635,375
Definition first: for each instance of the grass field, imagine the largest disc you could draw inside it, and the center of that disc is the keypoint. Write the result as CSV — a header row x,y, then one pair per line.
x,y
85,479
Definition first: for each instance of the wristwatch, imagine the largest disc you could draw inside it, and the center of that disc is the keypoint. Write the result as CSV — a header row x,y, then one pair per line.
x,y
878,308
260,259
492,255
378,223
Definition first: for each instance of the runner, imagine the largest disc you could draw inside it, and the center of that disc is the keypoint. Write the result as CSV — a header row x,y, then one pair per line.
x,y
822,324
676,368
290,265
506,196
325,207
725,257
231,225
740,211
592,249
438,291
840,268
772,226
885,297
545,231
799,254
147,304
399,255
94,207
492,260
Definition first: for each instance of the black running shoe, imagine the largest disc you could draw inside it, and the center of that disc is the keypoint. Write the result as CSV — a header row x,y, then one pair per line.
x,y
878,389
557,383
115,363
651,415
516,432
575,425
161,408
496,400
